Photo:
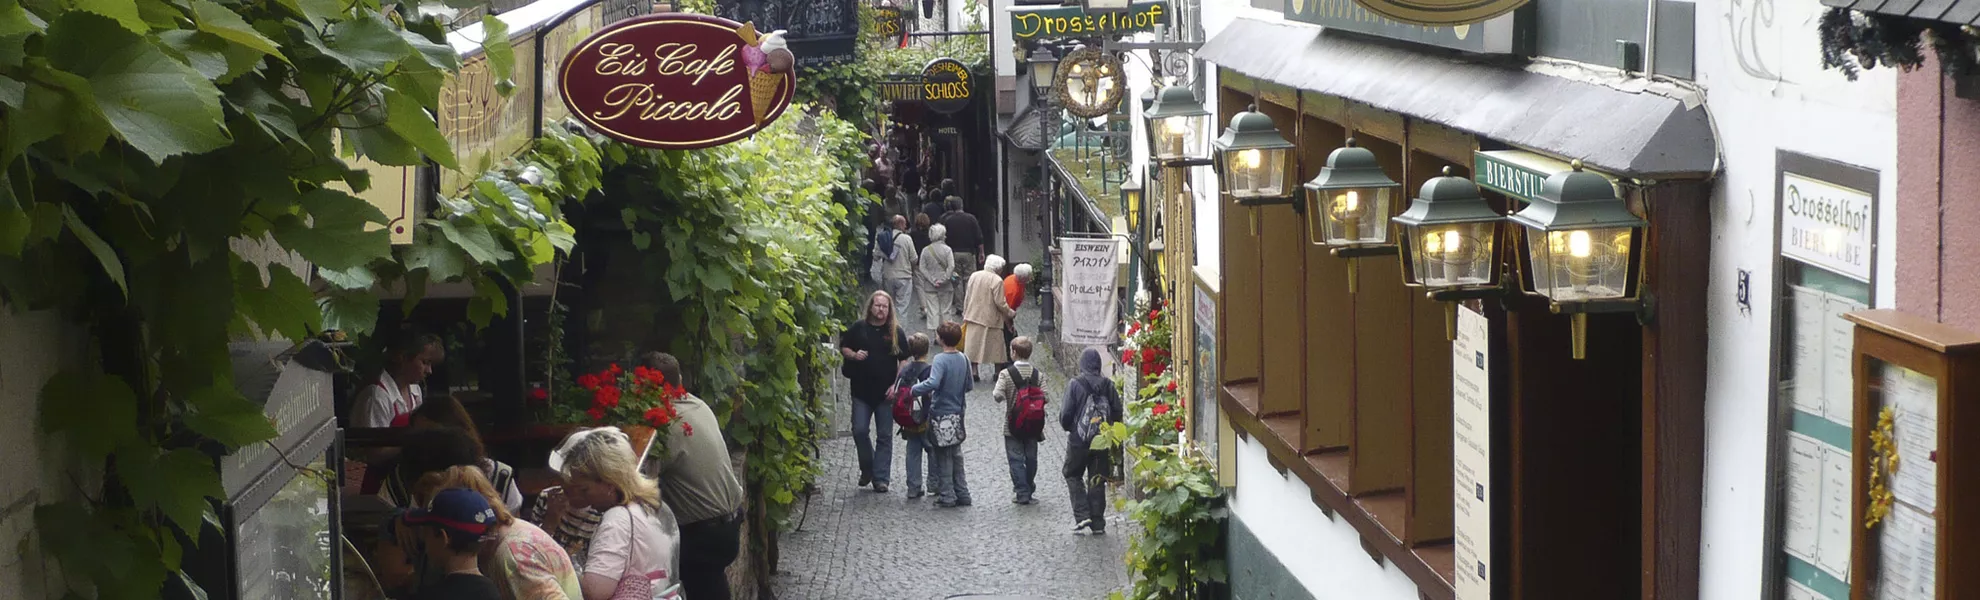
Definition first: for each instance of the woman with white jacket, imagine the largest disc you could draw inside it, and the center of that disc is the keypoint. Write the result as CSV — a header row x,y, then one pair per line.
x,y
935,276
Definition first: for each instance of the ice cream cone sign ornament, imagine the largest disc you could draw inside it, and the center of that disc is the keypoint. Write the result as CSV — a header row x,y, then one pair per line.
x,y
769,62
678,80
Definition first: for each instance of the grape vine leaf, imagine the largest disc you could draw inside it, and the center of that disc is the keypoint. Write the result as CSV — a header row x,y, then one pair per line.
x,y
438,256
124,12
220,412
406,117
501,54
160,106
356,278
285,306
354,312
176,482
338,238
105,255
228,25
477,241
366,43
98,413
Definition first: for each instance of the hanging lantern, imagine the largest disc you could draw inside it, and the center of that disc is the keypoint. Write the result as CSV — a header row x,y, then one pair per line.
x,y
1349,200
1174,119
1582,247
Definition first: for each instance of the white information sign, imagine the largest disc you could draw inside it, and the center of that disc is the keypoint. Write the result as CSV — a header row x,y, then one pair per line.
x,y
1088,298
1471,450
1827,225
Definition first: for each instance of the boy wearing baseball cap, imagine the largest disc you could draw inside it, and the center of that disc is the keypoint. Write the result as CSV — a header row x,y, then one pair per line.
x,y
451,530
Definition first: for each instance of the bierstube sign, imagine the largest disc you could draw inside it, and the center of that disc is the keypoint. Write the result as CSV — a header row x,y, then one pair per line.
x,y
678,80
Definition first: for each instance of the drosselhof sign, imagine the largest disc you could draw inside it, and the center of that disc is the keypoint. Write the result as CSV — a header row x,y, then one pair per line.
x,y
945,85
678,80
1072,21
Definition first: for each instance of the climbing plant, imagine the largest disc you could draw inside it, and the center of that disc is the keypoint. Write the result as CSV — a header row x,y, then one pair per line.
x,y
141,143
1852,39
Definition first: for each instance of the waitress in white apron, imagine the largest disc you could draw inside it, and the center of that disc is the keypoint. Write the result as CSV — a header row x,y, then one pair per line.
x,y
389,401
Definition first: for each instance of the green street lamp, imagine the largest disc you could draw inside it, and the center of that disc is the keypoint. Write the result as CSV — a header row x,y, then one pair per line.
x,y
1174,117
1449,243
1255,162
1582,246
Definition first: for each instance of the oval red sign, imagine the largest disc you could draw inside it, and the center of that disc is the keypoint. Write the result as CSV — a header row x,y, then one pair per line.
x,y
678,80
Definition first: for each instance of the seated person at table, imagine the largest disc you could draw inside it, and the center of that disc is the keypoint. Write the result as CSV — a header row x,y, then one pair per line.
x,y
451,530
524,562
427,451
390,400
633,552
446,411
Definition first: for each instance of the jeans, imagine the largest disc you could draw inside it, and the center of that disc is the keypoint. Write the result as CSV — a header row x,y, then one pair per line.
x,y
1023,454
947,476
1086,473
875,462
902,289
707,548
917,446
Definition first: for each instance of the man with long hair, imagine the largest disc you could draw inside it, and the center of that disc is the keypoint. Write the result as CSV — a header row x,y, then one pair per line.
x,y
873,349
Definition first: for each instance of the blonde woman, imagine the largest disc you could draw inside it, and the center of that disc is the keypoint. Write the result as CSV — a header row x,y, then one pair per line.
x,y
873,349
634,551
524,562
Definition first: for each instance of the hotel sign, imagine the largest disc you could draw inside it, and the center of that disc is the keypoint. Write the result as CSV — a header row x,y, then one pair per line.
x,y
1502,30
945,85
678,80
1072,21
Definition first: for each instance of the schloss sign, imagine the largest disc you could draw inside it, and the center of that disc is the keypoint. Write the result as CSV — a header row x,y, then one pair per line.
x,y
678,80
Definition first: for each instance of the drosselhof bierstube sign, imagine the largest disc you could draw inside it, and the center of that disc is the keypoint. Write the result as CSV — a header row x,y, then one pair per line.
x,y
678,80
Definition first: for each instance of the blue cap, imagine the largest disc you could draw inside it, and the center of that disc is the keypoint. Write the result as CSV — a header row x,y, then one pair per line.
x,y
458,509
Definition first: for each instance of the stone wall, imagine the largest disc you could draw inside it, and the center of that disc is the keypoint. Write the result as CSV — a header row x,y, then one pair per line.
x,y
38,345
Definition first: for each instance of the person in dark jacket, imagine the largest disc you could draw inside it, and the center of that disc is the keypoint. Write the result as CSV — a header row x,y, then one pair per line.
x,y
1086,469
873,349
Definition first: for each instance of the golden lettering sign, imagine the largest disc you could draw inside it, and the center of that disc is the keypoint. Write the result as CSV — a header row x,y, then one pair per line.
x,y
945,85
678,80
1074,22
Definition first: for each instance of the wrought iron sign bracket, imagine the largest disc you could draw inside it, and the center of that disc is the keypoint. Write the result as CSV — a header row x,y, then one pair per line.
x,y
1364,251
1297,206
1113,46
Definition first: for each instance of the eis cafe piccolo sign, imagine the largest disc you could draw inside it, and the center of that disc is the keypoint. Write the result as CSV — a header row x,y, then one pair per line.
x,y
678,80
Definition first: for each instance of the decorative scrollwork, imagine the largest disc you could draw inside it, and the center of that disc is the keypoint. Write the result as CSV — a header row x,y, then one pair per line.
x,y
1176,65
1090,82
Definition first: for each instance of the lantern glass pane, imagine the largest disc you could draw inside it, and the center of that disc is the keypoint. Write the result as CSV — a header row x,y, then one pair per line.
x,y
1453,255
1353,216
1173,137
1255,172
1572,265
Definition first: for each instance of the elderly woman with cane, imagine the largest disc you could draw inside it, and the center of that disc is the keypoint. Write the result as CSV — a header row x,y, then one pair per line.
x,y
985,313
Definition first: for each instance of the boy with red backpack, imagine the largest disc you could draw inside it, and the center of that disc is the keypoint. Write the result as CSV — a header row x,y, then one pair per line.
x,y
1021,389
911,411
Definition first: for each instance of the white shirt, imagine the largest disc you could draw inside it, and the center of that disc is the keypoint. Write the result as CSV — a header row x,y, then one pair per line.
x,y
379,403
633,540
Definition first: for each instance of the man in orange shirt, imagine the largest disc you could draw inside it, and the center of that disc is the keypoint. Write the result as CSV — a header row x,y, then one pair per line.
x,y
1014,288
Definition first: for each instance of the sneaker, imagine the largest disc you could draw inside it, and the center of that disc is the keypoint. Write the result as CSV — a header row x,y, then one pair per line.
x,y
944,504
914,493
1027,501
1081,525
880,487
1098,530
963,502
864,479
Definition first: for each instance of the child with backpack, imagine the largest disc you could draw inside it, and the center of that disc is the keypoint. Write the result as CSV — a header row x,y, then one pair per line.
x,y
1021,389
911,411
1091,401
948,385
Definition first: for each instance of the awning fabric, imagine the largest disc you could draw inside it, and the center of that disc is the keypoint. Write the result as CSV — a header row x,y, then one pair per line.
x,y
1632,134
1963,12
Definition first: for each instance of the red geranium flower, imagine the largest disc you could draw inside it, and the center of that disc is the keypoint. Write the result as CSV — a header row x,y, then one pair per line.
x,y
1134,328
1148,354
687,429
659,417
1154,314
539,396
605,397
588,381
1127,356
1172,386
1161,409
597,414
615,369
1179,424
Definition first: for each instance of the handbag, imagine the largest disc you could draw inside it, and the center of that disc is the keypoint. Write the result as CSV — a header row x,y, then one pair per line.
x,y
946,430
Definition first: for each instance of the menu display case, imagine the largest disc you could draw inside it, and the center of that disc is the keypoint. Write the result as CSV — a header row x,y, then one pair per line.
x,y
1914,517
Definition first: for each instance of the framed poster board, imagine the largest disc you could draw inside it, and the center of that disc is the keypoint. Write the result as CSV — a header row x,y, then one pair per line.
x,y
1824,268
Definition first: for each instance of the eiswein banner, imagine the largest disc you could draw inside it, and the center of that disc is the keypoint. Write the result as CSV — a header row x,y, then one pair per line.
x,y
678,80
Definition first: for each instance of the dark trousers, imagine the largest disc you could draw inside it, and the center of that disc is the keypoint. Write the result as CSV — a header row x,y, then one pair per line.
x,y
707,548
1023,456
1086,482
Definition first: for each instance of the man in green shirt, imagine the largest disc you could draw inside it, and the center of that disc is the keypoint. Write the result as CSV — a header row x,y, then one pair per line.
x,y
699,483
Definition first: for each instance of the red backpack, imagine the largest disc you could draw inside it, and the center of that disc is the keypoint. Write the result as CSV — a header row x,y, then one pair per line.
x,y
910,411
1027,412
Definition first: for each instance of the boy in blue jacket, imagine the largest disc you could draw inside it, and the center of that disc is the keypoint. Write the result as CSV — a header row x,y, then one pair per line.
x,y
947,385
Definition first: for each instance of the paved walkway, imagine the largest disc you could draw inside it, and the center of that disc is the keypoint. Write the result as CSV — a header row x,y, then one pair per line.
x,y
859,545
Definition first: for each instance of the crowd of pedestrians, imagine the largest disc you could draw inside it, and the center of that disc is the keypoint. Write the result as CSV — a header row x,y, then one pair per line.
x,y
969,300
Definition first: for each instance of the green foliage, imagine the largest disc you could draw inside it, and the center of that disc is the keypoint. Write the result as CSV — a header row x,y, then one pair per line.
x,y
751,237
140,142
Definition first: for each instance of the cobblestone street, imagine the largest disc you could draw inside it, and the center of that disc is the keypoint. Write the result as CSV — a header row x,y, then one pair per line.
x,y
859,545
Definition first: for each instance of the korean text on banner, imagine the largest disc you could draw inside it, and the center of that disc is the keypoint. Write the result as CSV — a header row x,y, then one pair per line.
x,y
1087,296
